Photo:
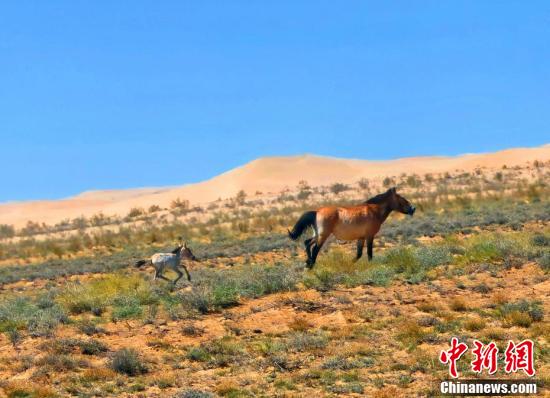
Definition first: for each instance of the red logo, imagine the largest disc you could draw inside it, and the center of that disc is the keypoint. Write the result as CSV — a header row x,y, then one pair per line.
x,y
485,357
520,357
452,355
516,357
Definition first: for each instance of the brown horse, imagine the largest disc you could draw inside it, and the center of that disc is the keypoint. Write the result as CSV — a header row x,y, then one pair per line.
x,y
361,223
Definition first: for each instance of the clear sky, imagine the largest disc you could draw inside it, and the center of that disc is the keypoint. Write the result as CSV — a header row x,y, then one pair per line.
x,y
119,94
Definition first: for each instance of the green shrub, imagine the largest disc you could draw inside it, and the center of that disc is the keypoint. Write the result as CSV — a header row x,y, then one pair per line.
x,y
216,289
127,361
532,309
306,341
23,313
544,261
198,354
194,394
220,352
118,289
126,307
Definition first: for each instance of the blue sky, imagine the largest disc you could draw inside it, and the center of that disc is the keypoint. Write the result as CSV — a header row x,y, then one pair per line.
x,y
104,94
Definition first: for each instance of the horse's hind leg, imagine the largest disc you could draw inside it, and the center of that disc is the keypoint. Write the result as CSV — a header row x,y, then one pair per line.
x,y
158,274
360,245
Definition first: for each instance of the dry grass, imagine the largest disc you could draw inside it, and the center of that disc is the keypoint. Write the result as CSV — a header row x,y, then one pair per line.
x,y
458,304
474,324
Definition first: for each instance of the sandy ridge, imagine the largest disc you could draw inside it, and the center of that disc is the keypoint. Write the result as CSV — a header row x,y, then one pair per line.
x,y
267,175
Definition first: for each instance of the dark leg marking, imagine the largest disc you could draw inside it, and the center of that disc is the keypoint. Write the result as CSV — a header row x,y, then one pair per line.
x,y
369,247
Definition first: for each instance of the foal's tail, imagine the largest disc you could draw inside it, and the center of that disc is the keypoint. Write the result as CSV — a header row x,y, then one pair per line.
x,y
141,263
306,220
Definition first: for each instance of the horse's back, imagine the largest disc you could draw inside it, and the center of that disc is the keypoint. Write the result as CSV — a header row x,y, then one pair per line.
x,y
159,258
348,222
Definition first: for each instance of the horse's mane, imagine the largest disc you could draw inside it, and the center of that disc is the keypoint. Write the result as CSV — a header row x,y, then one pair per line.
x,y
176,250
380,198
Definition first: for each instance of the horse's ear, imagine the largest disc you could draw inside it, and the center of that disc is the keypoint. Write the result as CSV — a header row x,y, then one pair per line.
x,y
185,244
393,190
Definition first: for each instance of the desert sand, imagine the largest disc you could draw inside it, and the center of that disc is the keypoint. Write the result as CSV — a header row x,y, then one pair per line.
x,y
267,175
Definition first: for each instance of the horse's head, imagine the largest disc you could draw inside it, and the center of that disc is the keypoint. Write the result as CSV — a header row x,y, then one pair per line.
x,y
399,203
185,252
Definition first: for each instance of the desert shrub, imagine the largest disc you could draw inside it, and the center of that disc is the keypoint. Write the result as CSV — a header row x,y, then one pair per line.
x,y
154,208
89,328
323,279
92,347
23,313
198,354
192,393
6,231
517,318
544,261
338,187
346,388
199,298
458,304
128,361
343,363
541,240
44,321
414,263
474,324
97,374
521,313
496,247
448,326
60,362
306,341
410,333
28,390
70,345
219,352
126,307
216,289
121,290
481,288
135,212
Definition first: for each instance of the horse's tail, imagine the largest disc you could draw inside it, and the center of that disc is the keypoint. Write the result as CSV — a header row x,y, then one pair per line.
x,y
141,263
306,220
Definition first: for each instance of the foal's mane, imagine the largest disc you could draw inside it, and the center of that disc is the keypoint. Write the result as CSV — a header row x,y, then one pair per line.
x,y
380,198
176,250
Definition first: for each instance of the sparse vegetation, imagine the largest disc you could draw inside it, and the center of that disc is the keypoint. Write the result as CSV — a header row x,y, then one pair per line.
x,y
455,269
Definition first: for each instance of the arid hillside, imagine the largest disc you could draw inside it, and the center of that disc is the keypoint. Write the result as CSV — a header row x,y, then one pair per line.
x,y
78,319
267,176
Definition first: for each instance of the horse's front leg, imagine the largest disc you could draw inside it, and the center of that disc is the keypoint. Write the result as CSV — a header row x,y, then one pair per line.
x,y
308,243
180,274
360,245
370,241
187,272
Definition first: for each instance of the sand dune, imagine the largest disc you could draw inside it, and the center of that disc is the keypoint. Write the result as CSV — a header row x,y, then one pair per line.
x,y
268,175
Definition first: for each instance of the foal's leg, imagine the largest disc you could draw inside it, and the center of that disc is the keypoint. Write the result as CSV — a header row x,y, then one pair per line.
x,y
360,244
187,272
158,273
180,274
370,240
